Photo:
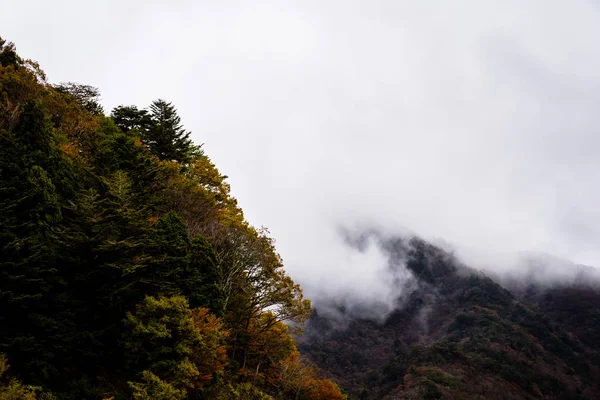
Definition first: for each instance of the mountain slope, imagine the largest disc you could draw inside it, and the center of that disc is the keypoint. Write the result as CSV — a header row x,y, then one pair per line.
x,y
458,334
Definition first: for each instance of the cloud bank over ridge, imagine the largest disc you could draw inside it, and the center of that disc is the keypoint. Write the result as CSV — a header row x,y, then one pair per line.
x,y
462,122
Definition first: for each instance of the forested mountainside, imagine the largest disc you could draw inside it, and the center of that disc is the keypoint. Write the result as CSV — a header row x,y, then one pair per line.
x,y
127,270
457,334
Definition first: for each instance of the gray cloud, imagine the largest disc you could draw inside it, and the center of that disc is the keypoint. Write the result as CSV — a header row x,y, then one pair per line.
x,y
471,122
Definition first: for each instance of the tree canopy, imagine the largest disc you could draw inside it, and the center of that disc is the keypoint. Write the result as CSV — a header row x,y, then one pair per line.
x,y
127,269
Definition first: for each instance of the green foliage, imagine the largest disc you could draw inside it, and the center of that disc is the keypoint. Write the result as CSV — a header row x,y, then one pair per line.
x,y
482,291
161,130
182,347
8,55
240,391
429,390
152,387
131,120
126,266
167,252
438,376
166,138
13,389
202,277
30,204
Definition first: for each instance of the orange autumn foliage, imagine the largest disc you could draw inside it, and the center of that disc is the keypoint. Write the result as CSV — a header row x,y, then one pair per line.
x,y
294,378
324,389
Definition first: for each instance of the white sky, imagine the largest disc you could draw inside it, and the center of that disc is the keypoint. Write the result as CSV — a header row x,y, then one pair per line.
x,y
474,122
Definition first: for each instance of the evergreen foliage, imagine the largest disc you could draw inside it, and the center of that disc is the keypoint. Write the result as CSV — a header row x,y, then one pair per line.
x,y
127,270
166,138
130,118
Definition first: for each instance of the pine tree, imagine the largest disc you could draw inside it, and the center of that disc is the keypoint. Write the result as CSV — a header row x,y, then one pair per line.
x,y
166,138
167,252
203,277
176,266
30,209
130,118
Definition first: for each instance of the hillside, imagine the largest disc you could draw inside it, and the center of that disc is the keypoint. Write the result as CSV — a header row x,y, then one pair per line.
x,y
127,269
457,334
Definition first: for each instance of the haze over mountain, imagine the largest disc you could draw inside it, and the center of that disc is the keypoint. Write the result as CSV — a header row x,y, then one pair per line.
x,y
450,332
428,173
468,122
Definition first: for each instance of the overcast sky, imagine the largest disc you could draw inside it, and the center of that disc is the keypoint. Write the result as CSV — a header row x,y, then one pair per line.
x,y
474,122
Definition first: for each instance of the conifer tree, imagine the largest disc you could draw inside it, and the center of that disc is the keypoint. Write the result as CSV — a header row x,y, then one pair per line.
x,y
29,210
130,118
167,252
166,138
203,277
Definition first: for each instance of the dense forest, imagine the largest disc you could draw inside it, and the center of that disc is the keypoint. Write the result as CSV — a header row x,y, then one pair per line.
x,y
127,269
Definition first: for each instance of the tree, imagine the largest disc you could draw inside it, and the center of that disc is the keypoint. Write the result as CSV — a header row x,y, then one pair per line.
x,y
324,389
76,119
256,280
182,347
239,391
152,387
166,250
30,208
177,266
13,389
8,55
85,95
268,344
203,276
130,118
298,380
19,84
166,138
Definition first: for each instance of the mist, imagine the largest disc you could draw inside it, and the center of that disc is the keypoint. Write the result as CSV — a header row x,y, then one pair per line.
x,y
470,124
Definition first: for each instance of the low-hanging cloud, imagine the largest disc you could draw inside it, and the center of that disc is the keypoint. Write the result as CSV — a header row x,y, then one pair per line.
x,y
375,280
467,122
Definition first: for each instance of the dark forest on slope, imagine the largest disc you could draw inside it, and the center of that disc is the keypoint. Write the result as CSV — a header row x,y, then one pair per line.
x,y
127,270
457,334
